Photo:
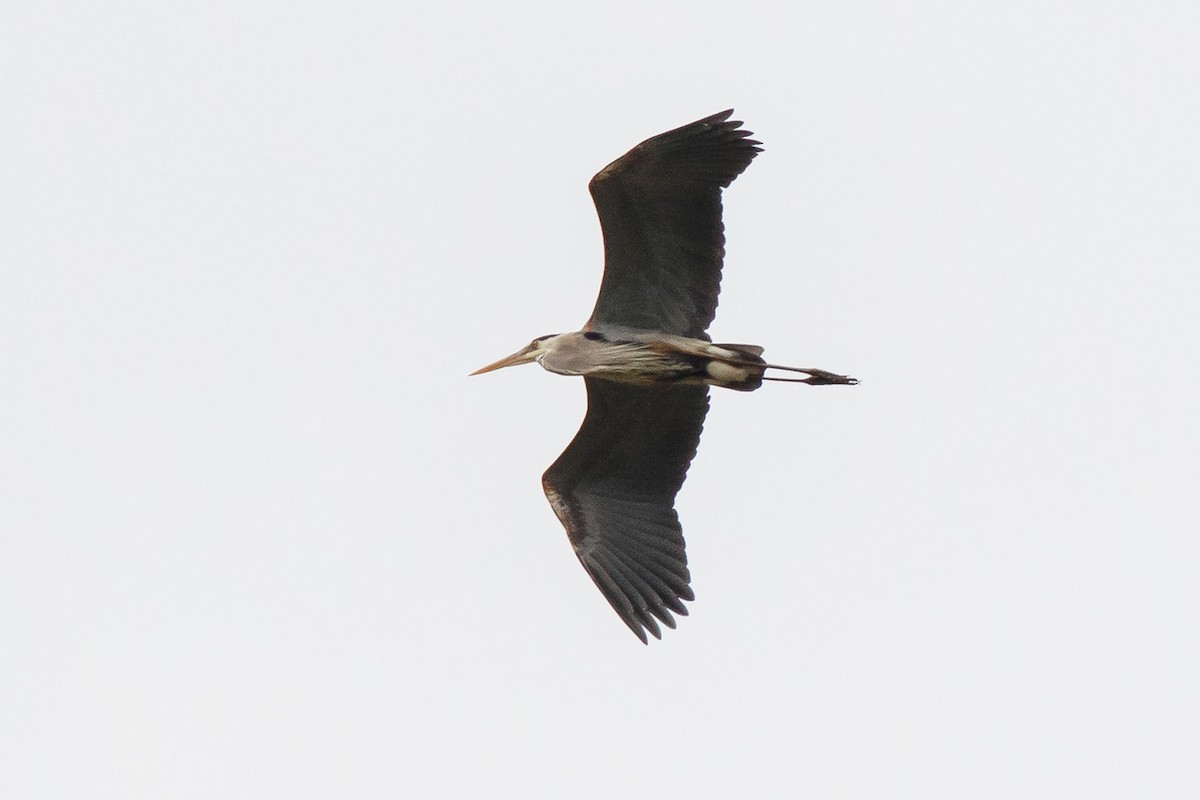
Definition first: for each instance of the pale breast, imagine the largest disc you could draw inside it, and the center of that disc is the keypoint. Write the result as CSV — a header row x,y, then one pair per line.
x,y
581,354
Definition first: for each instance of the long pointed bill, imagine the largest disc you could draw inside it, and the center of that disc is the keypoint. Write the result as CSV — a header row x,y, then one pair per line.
x,y
522,356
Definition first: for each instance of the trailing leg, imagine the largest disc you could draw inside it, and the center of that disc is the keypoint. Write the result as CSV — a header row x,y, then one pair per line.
x,y
816,377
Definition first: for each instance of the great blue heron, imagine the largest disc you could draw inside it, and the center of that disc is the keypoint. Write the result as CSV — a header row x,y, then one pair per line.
x,y
647,364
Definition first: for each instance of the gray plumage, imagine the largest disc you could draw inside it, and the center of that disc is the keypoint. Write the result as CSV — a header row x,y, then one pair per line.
x,y
647,362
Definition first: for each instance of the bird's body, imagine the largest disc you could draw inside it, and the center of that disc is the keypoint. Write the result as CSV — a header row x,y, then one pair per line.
x,y
648,358
647,361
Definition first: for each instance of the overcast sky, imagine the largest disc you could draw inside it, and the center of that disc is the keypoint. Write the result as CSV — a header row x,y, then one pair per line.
x,y
262,537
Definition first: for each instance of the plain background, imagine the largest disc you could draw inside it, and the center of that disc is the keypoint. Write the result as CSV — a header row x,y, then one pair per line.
x,y
262,537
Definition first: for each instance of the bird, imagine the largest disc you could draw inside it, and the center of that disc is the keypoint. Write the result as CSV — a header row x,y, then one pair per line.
x,y
647,362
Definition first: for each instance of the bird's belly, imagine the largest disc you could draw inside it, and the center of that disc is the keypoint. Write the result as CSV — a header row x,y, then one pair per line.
x,y
626,362
663,359
648,367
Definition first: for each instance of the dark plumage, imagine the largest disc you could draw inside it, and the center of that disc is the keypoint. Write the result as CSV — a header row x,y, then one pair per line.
x,y
660,211
647,362
614,490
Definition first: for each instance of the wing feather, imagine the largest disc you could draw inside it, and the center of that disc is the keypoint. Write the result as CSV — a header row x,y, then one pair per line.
x,y
614,490
660,212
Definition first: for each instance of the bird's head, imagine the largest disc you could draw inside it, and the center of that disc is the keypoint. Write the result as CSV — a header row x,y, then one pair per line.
x,y
528,353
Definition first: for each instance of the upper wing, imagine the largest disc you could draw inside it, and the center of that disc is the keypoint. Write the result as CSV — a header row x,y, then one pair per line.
x,y
614,490
660,211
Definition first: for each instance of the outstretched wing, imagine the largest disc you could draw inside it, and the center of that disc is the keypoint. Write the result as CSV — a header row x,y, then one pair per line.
x,y
614,490
660,211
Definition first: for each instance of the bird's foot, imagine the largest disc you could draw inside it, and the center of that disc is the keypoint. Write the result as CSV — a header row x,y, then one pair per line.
x,y
819,377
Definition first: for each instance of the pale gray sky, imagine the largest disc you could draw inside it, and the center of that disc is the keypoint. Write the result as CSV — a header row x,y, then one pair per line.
x,y
261,537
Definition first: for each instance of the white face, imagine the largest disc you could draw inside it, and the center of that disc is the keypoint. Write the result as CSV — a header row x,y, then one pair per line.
x,y
542,347
565,353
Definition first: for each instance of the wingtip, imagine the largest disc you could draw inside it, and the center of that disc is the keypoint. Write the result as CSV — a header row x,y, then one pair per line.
x,y
644,623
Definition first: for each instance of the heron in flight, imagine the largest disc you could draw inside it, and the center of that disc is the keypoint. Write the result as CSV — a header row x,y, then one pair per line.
x,y
647,364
